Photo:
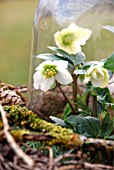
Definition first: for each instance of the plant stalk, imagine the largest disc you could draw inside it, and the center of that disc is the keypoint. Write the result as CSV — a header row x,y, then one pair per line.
x,y
70,104
74,89
94,106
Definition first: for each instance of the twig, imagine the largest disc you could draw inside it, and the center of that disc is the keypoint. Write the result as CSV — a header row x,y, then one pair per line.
x,y
8,85
60,157
14,88
50,158
85,165
97,166
38,137
5,163
70,167
12,142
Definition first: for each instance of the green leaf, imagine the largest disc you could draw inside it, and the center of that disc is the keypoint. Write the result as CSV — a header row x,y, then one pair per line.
x,y
63,53
48,56
109,28
75,59
89,63
110,137
58,121
109,63
78,58
104,99
106,126
87,126
67,110
84,110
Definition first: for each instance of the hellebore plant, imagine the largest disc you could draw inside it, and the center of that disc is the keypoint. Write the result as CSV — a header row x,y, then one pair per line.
x,y
50,71
70,39
68,65
98,76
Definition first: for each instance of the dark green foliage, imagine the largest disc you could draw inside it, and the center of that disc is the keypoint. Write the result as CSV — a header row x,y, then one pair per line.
x,y
109,63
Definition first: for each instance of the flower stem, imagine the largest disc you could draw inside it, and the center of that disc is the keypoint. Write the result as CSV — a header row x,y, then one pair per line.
x,y
71,106
94,106
74,88
87,99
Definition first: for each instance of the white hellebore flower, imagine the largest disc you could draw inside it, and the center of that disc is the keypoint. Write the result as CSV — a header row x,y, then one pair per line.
x,y
70,39
49,71
98,76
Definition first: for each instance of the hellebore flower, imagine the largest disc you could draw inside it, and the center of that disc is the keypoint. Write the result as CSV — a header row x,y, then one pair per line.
x,y
49,71
98,76
70,39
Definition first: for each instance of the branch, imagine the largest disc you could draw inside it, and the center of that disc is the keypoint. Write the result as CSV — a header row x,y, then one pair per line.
x,y
27,119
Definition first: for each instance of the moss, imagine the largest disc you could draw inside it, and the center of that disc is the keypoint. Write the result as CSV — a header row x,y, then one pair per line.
x,y
18,134
29,120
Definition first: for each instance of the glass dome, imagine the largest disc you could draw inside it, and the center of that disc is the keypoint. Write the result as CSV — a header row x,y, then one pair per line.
x,y
52,16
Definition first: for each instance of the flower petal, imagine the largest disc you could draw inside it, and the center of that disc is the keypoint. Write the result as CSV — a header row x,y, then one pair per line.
x,y
82,35
87,79
41,66
105,81
94,75
63,77
70,39
96,83
98,76
61,64
46,84
100,83
37,79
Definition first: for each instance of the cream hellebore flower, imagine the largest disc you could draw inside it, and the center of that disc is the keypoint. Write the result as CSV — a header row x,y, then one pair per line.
x,y
70,39
49,71
98,76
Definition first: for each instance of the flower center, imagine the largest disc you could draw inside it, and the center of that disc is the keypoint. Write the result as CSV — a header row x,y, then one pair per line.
x,y
49,71
68,39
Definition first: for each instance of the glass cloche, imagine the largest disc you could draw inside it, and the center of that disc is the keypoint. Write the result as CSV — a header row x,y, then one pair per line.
x,y
51,17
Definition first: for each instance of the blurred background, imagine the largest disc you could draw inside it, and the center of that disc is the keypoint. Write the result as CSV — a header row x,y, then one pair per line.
x,y
16,20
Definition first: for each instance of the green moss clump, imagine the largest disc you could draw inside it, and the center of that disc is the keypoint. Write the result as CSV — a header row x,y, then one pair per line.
x,y
25,118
